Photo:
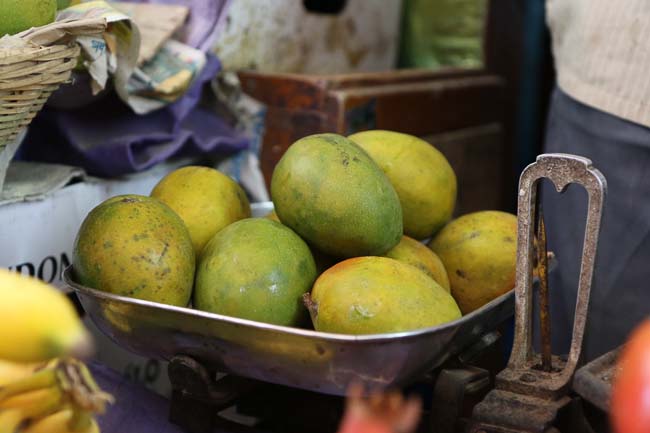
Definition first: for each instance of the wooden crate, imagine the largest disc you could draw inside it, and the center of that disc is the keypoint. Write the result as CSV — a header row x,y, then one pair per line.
x,y
461,112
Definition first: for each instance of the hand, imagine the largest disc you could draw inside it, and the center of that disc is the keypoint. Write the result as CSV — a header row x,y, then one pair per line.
x,y
380,413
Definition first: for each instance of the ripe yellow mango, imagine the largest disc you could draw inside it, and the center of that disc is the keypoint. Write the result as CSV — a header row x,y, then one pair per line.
x,y
479,251
374,295
417,254
205,199
421,175
135,246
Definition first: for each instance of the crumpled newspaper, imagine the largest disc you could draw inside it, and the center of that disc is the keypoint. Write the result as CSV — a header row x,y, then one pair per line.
x,y
60,32
64,31
164,78
149,81
111,41
114,52
157,23
166,67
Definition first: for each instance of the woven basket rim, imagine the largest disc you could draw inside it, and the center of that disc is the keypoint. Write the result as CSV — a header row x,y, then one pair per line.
x,y
28,76
10,56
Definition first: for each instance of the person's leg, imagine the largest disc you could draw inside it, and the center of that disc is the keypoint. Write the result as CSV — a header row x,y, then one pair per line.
x,y
620,298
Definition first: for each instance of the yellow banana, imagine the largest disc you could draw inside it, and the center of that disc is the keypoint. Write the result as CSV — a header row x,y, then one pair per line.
x,y
34,401
10,419
19,410
70,376
60,422
46,378
59,384
80,420
12,371
38,321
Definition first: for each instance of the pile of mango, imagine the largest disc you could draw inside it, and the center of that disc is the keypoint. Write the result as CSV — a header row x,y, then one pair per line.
x,y
361,241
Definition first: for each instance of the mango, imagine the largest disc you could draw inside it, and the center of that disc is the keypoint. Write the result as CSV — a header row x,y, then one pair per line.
x,y
323,261
416,254
135,246
425,182
330,192
373,295
19,15
479,251
255,269
205,199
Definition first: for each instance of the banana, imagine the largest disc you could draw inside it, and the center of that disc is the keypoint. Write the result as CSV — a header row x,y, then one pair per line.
x,y
40,322
45,378
10,419
60,422
80,420
19,410
12,371
30,403
35,402
31,395
67,375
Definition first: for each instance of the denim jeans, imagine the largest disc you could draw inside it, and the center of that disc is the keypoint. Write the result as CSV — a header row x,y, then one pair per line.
x,y
620,295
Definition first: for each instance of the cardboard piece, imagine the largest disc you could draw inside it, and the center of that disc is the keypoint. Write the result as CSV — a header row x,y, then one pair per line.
x,y
157,24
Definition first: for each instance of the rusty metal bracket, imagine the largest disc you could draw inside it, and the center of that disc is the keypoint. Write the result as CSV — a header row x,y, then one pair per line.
x,y
593,382
527,398
197,396
453,389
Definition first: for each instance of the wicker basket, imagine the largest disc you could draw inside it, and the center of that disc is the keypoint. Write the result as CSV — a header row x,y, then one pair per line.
x,y
28,76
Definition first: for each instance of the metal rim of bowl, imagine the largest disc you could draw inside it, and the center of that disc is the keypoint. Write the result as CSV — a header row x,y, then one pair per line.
x,y
68,280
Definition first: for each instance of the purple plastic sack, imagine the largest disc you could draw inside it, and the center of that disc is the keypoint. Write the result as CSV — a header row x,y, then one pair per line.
x,y
136,409
108,139
200,29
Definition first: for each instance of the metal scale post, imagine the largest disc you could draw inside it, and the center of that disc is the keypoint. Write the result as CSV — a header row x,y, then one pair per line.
x,y
532,394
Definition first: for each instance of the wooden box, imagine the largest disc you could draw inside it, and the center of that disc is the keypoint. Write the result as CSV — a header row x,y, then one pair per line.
x,y
461,112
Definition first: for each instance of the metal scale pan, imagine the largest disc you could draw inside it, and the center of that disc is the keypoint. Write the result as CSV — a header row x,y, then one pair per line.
x,y
300,358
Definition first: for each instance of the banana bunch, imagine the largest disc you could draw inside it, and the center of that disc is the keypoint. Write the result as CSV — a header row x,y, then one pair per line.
x,y
43,389
58,396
